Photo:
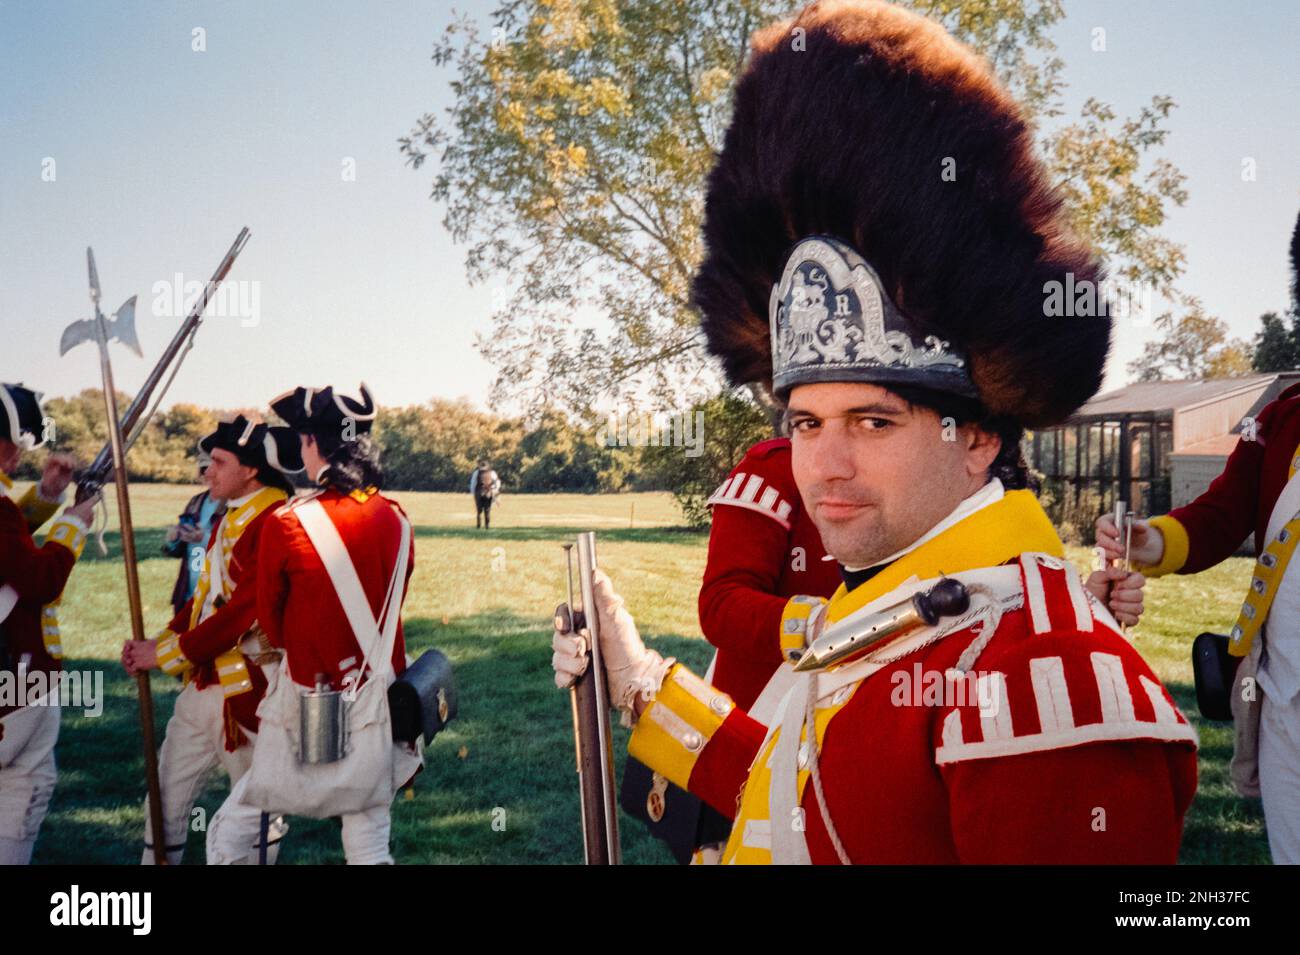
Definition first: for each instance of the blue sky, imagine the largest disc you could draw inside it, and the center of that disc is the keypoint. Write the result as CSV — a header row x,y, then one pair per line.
x,y
161,153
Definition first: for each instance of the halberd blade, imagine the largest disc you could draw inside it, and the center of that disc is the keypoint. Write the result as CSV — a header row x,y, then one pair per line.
x,y
123,327
94,275
75,334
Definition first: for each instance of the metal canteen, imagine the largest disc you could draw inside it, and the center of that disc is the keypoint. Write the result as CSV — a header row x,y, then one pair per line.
x,y
323,718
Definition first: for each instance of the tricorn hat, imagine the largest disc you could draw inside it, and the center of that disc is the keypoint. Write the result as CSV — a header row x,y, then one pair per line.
x,y
878,214
256,445
22,420
323,413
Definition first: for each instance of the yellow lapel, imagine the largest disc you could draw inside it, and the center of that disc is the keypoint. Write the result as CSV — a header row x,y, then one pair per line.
x,y
991,536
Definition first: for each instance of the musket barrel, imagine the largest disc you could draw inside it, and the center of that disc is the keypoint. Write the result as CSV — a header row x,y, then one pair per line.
x,y
98,470
593,735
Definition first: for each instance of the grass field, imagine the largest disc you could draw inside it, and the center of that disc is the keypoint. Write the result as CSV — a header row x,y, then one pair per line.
x,y
485,599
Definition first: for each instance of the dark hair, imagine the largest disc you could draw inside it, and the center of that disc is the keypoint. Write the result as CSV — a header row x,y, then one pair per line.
x,y
1009,466
268,476
353,465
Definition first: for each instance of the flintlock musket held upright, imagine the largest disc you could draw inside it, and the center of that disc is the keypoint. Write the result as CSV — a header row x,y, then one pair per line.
x,y
592,737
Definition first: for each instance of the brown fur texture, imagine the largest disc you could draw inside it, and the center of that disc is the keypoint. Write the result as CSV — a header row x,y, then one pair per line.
x,y
849,138
1295,264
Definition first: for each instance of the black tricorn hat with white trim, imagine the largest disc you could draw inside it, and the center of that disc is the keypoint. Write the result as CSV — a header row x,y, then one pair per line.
x,y
22,419
256,445
878,214
325,414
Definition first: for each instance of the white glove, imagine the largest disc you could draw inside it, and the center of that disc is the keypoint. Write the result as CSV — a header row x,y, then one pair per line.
x,y
631,668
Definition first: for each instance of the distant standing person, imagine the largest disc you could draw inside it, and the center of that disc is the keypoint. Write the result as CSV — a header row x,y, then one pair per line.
x,y
485,486
188,537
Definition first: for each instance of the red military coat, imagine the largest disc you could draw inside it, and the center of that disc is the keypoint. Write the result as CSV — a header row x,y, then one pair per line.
x,y
296,602
1240,500
1082,758
202,651
763,550
38,574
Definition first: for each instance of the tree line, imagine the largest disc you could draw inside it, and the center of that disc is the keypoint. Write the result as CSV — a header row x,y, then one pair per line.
x,y
434,446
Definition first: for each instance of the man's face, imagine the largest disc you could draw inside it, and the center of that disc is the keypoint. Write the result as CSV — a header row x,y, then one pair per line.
x,y
876,473
10,455
227,478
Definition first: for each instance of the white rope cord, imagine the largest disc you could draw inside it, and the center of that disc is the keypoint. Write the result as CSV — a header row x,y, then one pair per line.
x,y
99,524
992,614
814,770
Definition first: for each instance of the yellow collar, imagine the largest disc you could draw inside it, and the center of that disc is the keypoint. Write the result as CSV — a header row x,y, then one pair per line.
x,y
238,517
991,536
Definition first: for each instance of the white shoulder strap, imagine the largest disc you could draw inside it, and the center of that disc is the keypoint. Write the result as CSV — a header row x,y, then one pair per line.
x,y
1284,509
8,600
324,537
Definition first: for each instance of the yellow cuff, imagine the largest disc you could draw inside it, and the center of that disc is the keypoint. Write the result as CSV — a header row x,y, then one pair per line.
x,y
171,659
232,671
794,625
36,509
51,635
70,534
1176,547
675,728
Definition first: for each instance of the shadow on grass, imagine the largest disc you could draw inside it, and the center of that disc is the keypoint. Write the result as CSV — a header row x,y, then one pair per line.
x,y
148,545
499,784
96,815
1221,827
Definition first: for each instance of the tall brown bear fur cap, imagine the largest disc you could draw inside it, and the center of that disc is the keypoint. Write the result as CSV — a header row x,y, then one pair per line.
x,y
849,138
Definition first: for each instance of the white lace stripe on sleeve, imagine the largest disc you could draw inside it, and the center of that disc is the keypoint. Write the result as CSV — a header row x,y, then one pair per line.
x,y
743,491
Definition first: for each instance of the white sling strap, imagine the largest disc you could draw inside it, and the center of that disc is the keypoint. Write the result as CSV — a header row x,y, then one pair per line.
x,y
324,537
789,842
1285,508
8,600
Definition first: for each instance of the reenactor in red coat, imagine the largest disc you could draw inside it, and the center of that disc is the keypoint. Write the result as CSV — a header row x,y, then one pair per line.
x,y
1257,496
962,698
214,644
32,578
297,604
764,550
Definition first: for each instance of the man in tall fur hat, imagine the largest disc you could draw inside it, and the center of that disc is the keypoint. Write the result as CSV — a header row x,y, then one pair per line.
x,y
32,578
1257,493
878,237
214,643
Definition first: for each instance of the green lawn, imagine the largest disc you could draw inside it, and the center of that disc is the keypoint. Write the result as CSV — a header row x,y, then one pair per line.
x,y
485,599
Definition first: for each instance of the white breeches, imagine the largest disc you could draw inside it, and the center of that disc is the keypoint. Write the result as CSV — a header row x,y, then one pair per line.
x,y
1279,778
191,750
236,826
27,777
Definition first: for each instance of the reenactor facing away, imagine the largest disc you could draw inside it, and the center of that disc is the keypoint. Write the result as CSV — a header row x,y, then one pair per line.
x,y
332,576
32,579
213,643
962,698
485,485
